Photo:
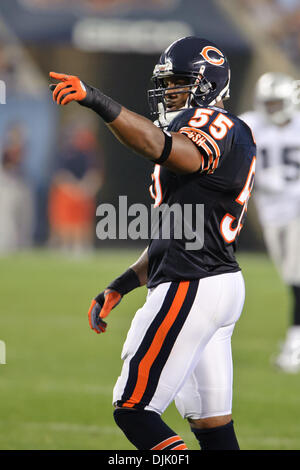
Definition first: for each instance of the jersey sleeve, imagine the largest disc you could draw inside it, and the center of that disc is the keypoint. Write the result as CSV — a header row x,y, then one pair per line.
x,y
212,132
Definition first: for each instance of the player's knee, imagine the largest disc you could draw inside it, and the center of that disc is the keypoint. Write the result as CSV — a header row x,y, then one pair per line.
x,y
211,422
126,420
121,415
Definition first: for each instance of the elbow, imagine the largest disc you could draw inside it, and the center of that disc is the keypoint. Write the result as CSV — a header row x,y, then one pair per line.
x,y
139,134
150,144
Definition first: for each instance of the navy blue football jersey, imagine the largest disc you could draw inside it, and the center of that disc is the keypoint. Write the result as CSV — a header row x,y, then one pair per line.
x,y
203,211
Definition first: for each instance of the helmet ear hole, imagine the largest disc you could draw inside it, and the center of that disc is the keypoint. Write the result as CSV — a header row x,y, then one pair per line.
x,y
204,87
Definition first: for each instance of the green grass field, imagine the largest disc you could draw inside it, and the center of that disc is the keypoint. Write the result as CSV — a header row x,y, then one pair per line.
x,y
56,388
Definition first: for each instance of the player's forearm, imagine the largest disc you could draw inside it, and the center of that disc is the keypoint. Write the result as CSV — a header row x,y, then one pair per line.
x,y
141,267
175,151
138,133
131,129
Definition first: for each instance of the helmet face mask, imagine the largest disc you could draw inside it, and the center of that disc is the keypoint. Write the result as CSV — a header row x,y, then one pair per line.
x,y
203,66
193,90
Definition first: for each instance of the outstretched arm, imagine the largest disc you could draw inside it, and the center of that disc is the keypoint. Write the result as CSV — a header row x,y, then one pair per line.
x,y
174,151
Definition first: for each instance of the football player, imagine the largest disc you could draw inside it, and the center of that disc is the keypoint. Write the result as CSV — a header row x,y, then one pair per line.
x,y
275,122
179,343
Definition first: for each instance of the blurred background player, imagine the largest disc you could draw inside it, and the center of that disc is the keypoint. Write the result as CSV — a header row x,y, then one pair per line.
x,y
16,198
275,123
76,182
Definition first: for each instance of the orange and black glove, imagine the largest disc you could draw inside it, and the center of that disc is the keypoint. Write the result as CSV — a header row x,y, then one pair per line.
x,y
71,88
110,298
101,307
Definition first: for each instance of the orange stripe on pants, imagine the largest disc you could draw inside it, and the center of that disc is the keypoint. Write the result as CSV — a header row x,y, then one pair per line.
x,y
158,340
162,445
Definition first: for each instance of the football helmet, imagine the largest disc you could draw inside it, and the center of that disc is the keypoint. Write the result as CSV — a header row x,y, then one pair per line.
x,y
204,67
275,97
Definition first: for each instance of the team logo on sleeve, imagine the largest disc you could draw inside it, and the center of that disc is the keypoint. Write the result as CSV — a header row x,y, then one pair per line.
x,y
212,60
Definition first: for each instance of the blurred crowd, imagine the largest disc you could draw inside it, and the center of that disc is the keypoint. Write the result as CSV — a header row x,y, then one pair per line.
x,y
77,178
50,174
96,4
280,19
16,197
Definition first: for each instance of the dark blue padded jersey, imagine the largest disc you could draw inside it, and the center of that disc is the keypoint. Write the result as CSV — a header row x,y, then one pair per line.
x,y
218,192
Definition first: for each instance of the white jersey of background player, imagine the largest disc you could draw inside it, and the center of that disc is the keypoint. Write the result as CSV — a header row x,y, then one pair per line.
x,y
275,123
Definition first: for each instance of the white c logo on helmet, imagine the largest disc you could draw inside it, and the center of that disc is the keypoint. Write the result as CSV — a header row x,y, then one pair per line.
x,y
205,51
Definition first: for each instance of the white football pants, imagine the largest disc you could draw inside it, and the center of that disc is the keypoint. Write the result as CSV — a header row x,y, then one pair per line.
x,y
179,347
